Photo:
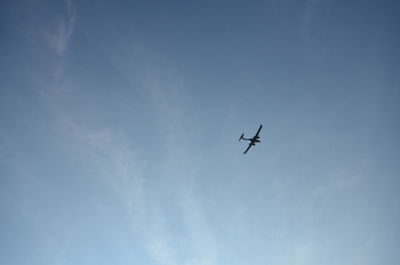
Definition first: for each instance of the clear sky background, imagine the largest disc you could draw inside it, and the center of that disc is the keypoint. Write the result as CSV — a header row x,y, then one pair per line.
x,y
120,120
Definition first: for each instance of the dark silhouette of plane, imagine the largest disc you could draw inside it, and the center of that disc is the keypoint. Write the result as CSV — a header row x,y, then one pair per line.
x,y
253,140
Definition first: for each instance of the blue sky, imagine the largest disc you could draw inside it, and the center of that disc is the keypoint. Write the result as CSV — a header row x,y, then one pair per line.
x,y
119,123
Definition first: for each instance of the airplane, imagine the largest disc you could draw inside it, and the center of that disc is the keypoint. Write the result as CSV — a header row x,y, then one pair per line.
x,y
253,140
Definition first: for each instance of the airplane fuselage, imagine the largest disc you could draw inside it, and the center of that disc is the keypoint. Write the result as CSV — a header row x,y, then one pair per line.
x,y
253,140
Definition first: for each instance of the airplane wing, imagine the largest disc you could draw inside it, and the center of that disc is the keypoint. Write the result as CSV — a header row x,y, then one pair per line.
x,y
259,129
247,148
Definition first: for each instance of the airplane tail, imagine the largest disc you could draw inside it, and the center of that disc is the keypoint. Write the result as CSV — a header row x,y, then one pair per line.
x,y
241,137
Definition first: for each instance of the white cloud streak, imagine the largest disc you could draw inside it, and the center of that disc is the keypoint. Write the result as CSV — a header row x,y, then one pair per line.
x,y
60,39
200,240
203,239
121,166
117,162
125,169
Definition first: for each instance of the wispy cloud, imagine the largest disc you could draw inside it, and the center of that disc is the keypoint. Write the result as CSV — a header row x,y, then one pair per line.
x,y
166,91
60,39
347,178
203,240
303,254
124,170
310,11
116,160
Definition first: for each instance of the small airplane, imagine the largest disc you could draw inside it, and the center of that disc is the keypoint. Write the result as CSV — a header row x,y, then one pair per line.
x,y
253,140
